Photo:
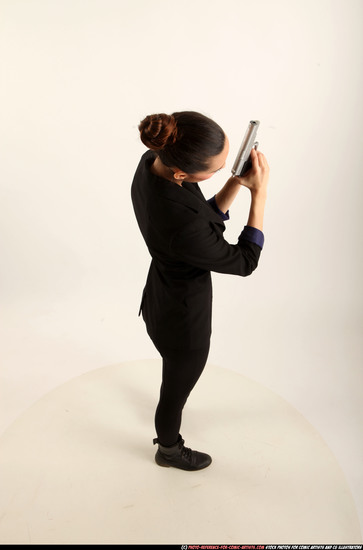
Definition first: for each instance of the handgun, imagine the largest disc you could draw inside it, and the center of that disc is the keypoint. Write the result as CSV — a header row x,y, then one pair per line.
x,y
243,160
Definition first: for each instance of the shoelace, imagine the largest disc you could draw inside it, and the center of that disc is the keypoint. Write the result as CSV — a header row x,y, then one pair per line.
x,y
186,453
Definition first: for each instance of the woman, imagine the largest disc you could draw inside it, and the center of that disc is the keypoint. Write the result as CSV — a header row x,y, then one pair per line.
x,y
184,235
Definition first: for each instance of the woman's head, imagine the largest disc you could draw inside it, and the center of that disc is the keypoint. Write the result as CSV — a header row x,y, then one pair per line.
x,y
187,142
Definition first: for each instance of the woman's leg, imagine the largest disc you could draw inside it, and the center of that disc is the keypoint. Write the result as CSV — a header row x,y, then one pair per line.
x,y
181,371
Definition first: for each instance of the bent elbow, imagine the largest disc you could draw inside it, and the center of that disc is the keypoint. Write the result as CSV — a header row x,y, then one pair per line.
x,y
250,255
248,268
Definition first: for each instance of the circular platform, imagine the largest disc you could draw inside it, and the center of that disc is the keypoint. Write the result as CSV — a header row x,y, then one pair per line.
x,y
78,468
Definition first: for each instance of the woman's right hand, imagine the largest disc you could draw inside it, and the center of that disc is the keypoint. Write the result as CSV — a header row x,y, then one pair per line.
x,y
256,178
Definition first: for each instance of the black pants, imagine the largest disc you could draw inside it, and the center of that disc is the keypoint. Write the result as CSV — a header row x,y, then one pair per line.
x,y
181,371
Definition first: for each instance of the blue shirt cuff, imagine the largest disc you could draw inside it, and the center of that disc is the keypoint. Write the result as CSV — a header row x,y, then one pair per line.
x,y
253,235
213,203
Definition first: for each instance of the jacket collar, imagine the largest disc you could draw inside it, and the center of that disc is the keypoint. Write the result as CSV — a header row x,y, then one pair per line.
x,y
188,194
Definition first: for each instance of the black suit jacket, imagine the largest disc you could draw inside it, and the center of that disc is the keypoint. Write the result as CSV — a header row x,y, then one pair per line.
x,y
184,236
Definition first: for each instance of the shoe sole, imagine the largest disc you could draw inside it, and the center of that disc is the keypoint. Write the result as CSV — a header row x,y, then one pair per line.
x,y
165,464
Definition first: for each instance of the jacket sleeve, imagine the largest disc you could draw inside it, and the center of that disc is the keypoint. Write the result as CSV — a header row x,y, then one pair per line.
x,y
203,246
213,203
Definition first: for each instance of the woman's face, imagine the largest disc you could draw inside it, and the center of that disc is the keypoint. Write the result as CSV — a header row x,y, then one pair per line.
x,y
215,164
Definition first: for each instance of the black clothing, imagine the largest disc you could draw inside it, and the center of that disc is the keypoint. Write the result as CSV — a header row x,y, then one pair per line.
x,y
181,371
184,236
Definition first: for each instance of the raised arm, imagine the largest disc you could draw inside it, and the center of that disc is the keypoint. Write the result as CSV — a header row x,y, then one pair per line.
x,y
256,181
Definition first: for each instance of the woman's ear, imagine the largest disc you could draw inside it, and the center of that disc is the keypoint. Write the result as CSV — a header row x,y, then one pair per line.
x,y
180,175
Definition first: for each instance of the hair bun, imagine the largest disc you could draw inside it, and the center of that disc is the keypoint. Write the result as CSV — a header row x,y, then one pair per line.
x,y
157,131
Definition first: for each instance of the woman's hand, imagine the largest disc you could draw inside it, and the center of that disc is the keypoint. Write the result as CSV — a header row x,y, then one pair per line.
x,y
256,178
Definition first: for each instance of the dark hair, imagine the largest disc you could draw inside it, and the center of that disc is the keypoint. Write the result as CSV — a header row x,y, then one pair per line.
x,y
184,140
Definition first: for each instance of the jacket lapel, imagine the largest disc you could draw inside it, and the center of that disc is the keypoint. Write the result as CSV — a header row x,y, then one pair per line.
x,y
188,194
204,205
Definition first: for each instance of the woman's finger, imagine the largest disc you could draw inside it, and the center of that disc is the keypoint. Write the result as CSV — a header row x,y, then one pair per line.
x,y
254,158
262,160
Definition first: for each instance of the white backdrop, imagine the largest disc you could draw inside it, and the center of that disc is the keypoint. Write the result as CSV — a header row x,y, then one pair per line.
x,y
77,77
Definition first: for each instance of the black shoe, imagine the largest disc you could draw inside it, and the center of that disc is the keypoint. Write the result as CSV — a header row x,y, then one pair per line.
x,y
181,457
